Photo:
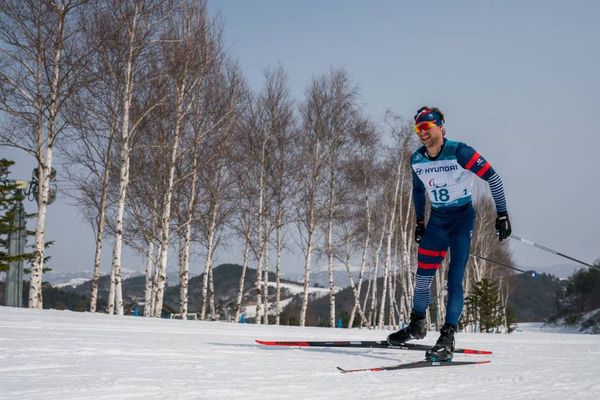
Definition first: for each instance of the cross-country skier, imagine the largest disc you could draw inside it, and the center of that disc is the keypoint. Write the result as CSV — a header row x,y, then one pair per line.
x,y
445,168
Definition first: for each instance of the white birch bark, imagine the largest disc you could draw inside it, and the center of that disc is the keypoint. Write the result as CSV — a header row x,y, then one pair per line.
x,y
260,224
148,272
44,170
363,263
211,297
101,224
408,257
115,288
187,238
209,257
35,289
330,250
168,196
278,248
373,312
238,302
390,234
307,268
311,221
265,282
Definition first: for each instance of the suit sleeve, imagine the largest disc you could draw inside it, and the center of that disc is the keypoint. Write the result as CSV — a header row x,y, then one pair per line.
x,y
418,196
470,159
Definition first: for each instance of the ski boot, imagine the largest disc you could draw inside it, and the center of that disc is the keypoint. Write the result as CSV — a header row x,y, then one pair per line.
x,y
444,347
416,329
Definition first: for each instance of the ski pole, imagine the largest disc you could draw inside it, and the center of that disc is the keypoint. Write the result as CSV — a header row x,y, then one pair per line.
x,y
539,246
532,273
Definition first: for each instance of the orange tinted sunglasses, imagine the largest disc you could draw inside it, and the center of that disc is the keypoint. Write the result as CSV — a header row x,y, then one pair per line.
x,y
424,126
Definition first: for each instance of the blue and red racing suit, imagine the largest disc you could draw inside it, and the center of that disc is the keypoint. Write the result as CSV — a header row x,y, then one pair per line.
x,y
447,179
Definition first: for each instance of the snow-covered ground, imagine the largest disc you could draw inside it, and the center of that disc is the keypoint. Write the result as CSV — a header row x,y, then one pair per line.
x,y
68,355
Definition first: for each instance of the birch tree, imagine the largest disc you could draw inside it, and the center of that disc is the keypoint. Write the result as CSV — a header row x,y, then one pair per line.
x,y
41,65
339,115
131,29
404,144
188,52
283,131
224,103
89,152
310,180
361,173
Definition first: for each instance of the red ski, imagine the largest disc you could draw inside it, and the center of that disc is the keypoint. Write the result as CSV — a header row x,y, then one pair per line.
x,y
378,344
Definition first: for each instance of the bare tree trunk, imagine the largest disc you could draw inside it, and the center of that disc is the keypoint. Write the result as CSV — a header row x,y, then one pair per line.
x,y
153,283
187,238
330,253
209,259
238,303
168,196
123,182
367,320
260,224
211,297
363,263
183,276
386,269
44,170
265,283
278,247
148,309
101,224
373,311
307,268
407,257
35,288
115,288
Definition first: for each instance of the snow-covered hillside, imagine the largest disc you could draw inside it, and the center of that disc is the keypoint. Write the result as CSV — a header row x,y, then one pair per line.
x,y
68,355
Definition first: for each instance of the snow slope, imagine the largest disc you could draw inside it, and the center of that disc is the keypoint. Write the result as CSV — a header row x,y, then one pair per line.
x,y
68,355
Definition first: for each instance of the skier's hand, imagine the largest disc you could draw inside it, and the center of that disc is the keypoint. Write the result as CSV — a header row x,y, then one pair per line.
x,y
419,230
503,229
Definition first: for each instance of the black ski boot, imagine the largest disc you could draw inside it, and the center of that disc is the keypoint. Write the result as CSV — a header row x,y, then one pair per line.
x,y
416,329
444,347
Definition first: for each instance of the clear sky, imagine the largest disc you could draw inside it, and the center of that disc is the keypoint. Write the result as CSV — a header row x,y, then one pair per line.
x,y
517,80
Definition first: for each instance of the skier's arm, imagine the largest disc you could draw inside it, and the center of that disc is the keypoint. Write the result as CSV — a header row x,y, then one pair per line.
x,y
470,159
418,197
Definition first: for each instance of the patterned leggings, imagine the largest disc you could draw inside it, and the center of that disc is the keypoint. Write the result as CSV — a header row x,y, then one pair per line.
x,y
453,228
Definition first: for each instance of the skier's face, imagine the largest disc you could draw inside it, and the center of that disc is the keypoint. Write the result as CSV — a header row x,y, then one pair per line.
x,y
430,135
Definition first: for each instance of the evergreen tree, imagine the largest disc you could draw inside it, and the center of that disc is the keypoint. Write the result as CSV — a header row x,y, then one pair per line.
x,y
483,306
10,199
582,293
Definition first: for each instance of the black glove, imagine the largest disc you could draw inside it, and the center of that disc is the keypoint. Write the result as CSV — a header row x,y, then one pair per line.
x,y
503,226
419,230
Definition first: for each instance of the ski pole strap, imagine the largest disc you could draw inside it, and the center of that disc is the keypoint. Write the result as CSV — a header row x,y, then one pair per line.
x,y
539,246
532,273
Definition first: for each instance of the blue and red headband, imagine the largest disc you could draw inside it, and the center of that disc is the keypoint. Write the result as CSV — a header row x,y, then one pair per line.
x,y
426,114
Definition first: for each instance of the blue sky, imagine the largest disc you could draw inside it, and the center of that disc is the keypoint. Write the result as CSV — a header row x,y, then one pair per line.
x,y
517,80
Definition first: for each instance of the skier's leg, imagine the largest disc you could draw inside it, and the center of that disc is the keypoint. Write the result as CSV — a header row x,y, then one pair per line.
x,y
460,243
431,253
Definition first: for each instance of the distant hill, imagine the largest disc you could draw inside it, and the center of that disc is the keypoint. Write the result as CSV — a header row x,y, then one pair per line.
x,y
532,299
321,278
226,282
